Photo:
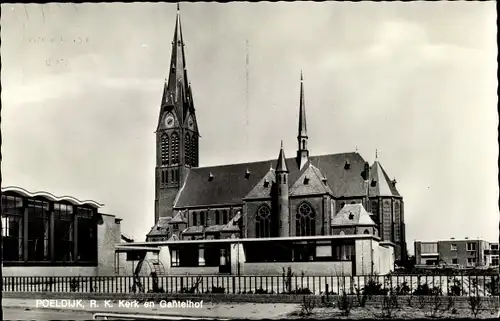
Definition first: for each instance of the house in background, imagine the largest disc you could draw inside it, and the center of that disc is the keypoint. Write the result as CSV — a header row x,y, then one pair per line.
x,y
46,235
464,253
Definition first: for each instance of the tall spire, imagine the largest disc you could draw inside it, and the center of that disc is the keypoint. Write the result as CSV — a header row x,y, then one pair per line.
x,y
176,87
302,152
281,166
302,115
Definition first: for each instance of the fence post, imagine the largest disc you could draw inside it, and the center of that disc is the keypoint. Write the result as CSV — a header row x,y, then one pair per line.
x,y
234,285
326,287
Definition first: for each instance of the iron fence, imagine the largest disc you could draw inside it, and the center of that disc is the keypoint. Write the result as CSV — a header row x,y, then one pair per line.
x,y
459,285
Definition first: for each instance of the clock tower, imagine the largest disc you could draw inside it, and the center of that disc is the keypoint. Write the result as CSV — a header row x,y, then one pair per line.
x,y
177,131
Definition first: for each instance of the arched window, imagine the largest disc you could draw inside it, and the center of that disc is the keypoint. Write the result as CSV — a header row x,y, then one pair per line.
x,y
194,150
224,217
187,151
305,220
217,218
374,209
263,222
175,148
164,149
366,231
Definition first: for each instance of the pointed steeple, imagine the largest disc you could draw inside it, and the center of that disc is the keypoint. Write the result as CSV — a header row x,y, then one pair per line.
x,y
176,87
302,115
281,166
302,152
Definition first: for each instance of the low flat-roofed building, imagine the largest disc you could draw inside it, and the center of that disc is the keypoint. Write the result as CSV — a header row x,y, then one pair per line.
x,y
47,235
331,255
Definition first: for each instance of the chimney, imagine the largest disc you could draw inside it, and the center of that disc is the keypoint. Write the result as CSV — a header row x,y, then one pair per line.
x,y
347,164
210,177
247,174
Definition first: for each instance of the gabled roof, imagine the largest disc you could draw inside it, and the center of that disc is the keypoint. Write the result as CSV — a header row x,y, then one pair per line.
x,y
232,225
281,166
179,218
261,189
193,230
174,237
312,181
214,228
230,183
380,184
161,227
352,214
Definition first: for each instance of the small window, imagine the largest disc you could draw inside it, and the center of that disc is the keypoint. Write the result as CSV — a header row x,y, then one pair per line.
x,y
224,217
453,247
366,231
454,261
195,219
471,261
217,218
471,246
202,218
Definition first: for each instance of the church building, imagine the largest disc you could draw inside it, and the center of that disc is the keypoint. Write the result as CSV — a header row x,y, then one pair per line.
x,y
303,197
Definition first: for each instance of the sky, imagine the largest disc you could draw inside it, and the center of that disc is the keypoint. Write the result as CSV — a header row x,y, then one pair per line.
x,y
82,85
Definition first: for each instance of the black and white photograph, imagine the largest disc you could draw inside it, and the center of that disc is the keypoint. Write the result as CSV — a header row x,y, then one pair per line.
x,y
249,160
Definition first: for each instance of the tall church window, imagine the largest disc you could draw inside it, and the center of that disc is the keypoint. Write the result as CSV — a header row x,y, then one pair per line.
x,y
194,149
164,149
187,153
175,148
397,222
374,209
224,217
217,218
263,222
202,218
86,232
195,219
305,220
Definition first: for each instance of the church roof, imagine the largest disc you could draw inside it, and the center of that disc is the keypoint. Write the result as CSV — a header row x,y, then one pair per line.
x,y
193,230
312,181
161,227
380,184
352,214
178,219
230,184
264,187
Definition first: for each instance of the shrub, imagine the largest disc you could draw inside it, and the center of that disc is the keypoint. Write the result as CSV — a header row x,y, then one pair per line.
x,y
403,289
455,288
475,304
344,303
424,289
217,289
307,306
389,305
374,288
74,285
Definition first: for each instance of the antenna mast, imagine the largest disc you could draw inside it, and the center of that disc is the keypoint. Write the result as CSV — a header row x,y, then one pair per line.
x,y
247,62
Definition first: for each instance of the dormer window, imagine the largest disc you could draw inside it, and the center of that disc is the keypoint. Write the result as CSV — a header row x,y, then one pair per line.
x,y
324,180
247,174
347,164
211,177
394,182
374,182
351,216
306,180
266,183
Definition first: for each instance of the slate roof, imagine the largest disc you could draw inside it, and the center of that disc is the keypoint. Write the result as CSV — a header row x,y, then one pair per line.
x,y
261,190
359,216
161,227
214,228
230,184
193,230
315,182
383,185
178,219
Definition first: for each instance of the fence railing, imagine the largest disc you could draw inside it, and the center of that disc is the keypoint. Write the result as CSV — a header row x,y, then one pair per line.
x,y
485,285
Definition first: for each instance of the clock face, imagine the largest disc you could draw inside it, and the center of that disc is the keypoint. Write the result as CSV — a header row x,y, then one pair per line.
x,y
169,121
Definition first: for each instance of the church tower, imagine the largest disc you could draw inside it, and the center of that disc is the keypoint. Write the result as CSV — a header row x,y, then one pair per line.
x,y
302,152
282,199
177,130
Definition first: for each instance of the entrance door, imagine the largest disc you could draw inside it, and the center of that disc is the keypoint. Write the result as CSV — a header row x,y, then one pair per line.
x,y
224,261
